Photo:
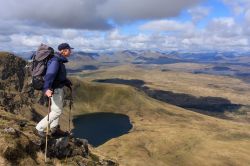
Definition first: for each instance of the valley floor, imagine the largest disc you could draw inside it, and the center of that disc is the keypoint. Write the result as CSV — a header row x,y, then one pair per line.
x,y
163,134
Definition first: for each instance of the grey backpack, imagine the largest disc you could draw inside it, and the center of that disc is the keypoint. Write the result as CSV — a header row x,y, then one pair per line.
x,y
39,65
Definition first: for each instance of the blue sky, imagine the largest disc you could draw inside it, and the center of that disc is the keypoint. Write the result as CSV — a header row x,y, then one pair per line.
x,y
93,25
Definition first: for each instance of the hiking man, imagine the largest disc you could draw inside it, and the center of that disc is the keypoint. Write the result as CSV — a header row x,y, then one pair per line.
x,y
54,81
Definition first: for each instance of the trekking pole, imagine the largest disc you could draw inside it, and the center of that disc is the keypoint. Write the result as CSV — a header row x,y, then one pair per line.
x,y
70,107
47,131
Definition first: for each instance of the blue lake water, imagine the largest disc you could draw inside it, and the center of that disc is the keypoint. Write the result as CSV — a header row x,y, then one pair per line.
x,y
98,128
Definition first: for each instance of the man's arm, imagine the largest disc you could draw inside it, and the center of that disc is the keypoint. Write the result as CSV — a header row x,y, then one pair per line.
x,y
50,76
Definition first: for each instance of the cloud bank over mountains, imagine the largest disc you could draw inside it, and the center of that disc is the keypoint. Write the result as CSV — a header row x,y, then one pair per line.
x,y
89,14
124,24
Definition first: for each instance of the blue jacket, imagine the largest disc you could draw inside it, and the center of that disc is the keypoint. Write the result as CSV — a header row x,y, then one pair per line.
x,y
56,75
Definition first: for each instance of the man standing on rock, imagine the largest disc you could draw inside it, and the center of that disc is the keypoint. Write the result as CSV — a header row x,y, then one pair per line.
x,y
55,79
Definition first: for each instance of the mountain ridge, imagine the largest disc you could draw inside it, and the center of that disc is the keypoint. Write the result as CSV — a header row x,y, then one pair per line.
x,y
19,143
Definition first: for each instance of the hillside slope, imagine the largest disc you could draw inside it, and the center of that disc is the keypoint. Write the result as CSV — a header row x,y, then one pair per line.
x,y
187,90
19,144
163,134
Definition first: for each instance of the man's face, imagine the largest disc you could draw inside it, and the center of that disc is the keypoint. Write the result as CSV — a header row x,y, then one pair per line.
x,y
66,52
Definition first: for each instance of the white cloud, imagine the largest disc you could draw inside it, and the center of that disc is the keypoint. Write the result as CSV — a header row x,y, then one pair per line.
x,y
219,34
238,6
222,33
70,34
140,38
78,14
29,41
84,24
116,35
225,26
198,13
167,25
89,14
4,38
130,10
247,16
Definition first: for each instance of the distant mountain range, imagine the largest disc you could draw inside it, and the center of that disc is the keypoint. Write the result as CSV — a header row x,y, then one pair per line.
x,y
94,60
152,56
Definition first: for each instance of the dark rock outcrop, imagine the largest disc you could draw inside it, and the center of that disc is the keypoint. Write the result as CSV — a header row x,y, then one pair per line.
x,y
14,96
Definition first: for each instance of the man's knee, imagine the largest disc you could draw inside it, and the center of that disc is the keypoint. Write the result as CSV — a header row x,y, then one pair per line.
x,y
56,112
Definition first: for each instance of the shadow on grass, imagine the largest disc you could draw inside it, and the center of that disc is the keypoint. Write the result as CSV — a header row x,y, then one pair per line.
x,y
206,104
85,67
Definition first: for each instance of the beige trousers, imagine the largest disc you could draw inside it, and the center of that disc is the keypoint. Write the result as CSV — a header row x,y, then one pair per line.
x,y
56,111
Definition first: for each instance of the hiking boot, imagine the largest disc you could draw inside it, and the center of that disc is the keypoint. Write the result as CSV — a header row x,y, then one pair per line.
x,y
40,134
54,129
57,132
60,133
